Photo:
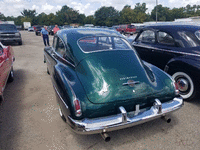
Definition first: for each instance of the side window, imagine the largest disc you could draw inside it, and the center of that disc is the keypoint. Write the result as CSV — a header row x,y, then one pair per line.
x,y
165,38
60,48
1,50
68,55
63,50
147,36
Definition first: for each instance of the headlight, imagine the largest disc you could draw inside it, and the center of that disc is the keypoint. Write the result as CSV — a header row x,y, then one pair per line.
x,y
17,34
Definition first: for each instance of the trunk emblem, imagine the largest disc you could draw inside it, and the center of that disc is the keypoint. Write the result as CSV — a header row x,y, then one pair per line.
x,y
131,83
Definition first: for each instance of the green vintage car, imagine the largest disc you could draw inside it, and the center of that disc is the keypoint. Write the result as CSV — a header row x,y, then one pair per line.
x,y
102,84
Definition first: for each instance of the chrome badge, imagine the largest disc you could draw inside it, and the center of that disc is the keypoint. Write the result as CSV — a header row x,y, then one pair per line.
x,y
131,83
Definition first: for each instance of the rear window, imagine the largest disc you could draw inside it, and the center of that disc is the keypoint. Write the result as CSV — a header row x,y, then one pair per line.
x,y
92,44
7,27
191,39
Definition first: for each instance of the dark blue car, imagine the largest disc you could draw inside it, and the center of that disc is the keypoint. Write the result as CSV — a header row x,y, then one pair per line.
x,y
174,48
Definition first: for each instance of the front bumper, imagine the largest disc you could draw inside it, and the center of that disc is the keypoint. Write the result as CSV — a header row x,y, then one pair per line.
x,y
15,39
124,119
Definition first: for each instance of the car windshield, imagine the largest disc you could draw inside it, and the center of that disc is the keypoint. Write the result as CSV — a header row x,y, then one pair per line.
x,y
92,44
7,27
192,40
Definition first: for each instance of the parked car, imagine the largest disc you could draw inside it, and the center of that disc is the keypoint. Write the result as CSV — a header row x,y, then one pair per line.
x,y
38,29
30,29
50,29
104,86
126,29
175,48
6,67
10,34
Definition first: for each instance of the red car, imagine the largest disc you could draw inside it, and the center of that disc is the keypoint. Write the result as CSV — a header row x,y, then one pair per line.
x,y
126,29
6,67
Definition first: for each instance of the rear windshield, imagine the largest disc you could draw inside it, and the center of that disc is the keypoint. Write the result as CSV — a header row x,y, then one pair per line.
x,y
92,44
7,27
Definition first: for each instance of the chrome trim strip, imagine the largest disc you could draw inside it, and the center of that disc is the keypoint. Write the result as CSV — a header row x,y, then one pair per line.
x,y
149,47
129,83
60,97
115,122
64,59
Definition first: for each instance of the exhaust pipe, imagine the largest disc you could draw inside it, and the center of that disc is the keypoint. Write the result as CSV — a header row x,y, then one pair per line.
x,y
105,136
167,119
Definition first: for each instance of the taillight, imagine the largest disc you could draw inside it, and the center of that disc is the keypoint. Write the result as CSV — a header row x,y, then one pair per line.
x,y
176,88
77,107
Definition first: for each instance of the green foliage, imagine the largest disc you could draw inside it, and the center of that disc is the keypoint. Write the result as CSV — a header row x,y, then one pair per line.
x,y
89,20
105,16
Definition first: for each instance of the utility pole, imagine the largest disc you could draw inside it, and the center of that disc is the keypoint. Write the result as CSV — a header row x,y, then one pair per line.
x,y
156,11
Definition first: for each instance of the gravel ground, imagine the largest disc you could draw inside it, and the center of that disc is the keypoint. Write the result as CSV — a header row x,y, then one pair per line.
x,y
29,117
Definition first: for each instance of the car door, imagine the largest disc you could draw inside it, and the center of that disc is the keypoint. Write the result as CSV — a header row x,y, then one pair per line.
x,y
4,68
145,45
166,48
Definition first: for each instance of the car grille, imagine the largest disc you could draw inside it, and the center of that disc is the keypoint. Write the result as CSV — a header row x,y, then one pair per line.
x,y
7,35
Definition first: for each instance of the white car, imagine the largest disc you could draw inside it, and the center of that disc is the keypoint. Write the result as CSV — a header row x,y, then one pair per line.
x,y
30,29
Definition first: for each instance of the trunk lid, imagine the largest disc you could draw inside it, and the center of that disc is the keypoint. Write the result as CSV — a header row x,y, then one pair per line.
x,y
116,76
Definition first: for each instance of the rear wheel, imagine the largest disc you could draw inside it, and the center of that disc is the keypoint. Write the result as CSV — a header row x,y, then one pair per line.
x,y
11,75
186,84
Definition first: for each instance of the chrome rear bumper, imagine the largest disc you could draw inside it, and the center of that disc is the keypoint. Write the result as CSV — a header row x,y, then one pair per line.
x,y
124,119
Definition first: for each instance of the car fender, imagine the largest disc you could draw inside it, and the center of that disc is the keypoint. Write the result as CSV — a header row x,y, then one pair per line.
x,y
68,88
189,63
166,78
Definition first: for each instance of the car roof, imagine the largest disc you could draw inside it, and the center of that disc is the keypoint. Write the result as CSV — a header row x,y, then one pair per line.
x,y
172,26
83,32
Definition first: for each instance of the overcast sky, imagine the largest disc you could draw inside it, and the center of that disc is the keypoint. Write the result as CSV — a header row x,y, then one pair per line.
x,y
87,7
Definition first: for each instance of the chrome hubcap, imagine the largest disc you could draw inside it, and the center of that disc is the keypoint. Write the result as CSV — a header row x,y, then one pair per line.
x,y
183,84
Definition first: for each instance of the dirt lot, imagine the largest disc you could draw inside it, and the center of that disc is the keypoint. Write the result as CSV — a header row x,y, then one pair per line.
x,y
29,117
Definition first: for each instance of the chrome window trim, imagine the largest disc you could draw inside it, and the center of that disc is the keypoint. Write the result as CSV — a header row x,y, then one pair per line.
x,y
184,53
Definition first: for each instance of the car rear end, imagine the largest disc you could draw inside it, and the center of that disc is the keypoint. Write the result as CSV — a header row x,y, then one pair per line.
x,y
130,29
121,91
38,30
121,94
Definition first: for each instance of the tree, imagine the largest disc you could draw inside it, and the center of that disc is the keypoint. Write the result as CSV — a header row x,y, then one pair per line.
x,y
163,13
67,15
106,16
140,8
2,17
140,11
177,13
29,13
81,19
89,20
127,15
